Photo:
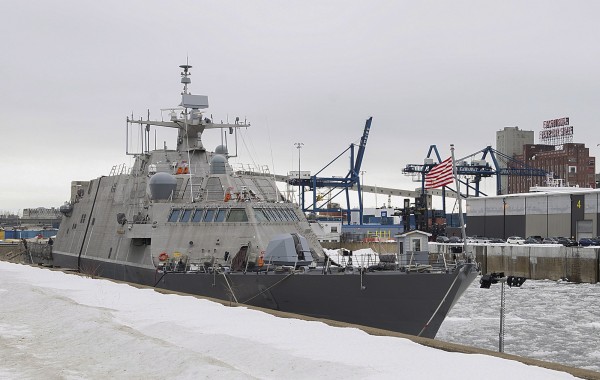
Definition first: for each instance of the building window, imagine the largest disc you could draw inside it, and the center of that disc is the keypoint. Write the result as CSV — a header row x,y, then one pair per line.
x,y
416,243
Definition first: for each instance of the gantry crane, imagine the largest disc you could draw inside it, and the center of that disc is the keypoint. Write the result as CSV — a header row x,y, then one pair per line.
x,y
346,183
475,169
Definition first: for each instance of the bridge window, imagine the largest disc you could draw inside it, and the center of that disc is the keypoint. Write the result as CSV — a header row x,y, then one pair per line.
x,y
197,216
261,215
295,215
274,216
174,215
186,215
286,215
221,215
291,214
210,214
237,215
282,214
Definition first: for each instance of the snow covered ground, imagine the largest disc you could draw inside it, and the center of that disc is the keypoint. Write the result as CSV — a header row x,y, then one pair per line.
x,y
547,320
60,326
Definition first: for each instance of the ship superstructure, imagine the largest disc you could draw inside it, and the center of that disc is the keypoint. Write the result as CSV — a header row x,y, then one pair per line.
x,y
184,220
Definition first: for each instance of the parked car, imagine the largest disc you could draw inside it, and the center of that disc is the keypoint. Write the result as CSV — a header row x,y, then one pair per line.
x,y
455,239
532,240
515,240
550,240
496,240
537,238
585,242
478,240
567,242
595,241
442,239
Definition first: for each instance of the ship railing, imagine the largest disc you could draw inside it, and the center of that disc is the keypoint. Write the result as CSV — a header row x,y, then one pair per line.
x,y
118,170
279,264
176,264
362,261
438,262
419,261
449,262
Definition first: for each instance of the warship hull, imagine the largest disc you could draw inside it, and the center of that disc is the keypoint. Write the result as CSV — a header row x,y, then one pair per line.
x,y
410,303
184,220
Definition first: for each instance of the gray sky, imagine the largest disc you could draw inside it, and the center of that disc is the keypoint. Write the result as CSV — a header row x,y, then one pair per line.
x,y
432,72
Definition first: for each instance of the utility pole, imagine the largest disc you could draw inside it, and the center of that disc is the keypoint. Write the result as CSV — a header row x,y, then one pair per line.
x,y
362,184
299,145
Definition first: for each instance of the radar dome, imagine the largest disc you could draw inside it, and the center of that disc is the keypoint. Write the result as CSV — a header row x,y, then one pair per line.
x,y
221,149
217,164
162,185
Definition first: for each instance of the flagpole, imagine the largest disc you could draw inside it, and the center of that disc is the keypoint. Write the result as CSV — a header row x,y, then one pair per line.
x,y
460,213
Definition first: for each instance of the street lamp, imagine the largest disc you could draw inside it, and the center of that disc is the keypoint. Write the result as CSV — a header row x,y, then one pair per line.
x,y
494,278
299,145
362,186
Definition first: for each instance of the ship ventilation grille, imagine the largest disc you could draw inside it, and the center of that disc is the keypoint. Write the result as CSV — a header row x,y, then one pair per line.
x,y
266,188
214,189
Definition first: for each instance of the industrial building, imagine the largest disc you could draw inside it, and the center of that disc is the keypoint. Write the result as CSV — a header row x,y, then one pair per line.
x,y
41,216
556,154
569,212
570,162
510,141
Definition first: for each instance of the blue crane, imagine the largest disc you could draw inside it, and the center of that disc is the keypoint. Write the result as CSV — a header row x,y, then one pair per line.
x,y
342,184
478,169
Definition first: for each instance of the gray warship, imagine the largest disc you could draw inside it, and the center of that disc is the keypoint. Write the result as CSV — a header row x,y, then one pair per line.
x,y
184,220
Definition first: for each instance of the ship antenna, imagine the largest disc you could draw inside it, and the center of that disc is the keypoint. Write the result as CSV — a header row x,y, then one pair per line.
x,y
185,79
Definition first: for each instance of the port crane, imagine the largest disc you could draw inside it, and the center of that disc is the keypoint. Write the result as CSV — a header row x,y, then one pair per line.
x,y
470,167
336,185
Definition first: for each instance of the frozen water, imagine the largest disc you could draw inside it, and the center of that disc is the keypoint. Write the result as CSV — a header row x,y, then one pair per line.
x,y
554,321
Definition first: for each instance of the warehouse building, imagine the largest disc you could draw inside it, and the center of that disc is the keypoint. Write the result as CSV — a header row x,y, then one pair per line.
x,y
569,212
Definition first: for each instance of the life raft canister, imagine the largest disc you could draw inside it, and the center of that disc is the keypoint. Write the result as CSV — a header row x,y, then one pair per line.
x,y
261,259
228,194
163,256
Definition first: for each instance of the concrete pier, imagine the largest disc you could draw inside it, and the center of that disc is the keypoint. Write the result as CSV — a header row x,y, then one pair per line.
x,y
534,261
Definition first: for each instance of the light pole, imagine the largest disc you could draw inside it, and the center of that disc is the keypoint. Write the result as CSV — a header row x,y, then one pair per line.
x,y
362,185
494,278
299,146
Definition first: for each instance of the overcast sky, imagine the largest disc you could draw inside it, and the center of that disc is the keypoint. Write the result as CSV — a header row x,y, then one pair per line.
x,y
432,72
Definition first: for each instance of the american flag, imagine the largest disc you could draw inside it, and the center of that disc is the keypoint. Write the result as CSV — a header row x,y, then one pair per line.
x,y
440,175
